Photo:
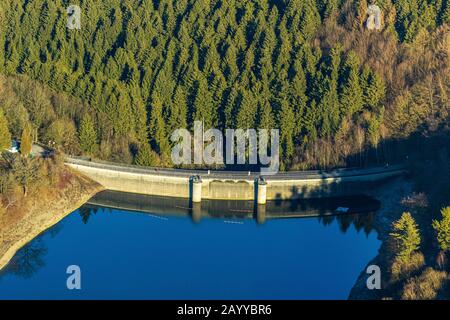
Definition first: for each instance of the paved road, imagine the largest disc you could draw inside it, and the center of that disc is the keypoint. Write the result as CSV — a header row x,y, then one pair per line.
x,y
293,175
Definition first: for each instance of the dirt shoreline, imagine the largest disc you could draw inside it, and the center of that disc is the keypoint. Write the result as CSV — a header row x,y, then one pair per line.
x,y
390,196
37,220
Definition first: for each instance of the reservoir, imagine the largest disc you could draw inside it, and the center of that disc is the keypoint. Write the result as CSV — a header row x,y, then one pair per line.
x,y
136,247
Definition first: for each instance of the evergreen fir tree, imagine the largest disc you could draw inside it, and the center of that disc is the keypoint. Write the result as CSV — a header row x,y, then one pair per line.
x,y
374,128
265,115
247,110
26,142
445,15
5,135
146,157
203,104
310,20
88,135
158,128
298,98
442,228
178,112
406,236
287,128
352,99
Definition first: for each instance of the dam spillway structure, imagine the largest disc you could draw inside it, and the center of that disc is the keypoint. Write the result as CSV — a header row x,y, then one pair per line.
x,y
197,185
261,191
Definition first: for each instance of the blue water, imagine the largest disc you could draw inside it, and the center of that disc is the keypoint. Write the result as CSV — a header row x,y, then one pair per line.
x,y
124,255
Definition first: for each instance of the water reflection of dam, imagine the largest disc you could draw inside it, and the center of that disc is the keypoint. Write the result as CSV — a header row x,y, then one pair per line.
x,y
300,208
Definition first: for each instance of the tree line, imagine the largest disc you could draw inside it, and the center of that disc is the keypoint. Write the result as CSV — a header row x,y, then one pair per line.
x,y
138,70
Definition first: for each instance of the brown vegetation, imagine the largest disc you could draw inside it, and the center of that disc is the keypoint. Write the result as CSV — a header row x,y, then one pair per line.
x,y
417,78
425,286
52,193
402,269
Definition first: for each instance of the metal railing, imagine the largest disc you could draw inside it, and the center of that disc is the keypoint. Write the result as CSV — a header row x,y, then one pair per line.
x,y
232,175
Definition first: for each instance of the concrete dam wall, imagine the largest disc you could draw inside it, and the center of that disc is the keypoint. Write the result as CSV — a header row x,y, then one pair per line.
x,y
224,185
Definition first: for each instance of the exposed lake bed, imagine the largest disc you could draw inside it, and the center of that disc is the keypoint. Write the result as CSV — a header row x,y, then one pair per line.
x,y
40,212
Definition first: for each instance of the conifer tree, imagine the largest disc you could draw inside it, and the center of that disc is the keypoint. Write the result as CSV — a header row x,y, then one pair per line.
x,y
284,48
310,20
88,135
203,104
265,115
26,142
407,19
232,100
146,157
374,90
374,128
231,68
352,99
287,128
5,135
406,236
361,11
123,119
247,110
265,63
157,126
298,98
442,228
427,15
329,104
310,123
328,8
178,112
445,15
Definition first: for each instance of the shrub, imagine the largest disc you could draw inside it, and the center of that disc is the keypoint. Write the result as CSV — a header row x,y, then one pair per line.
x,y
402,268
63,134
6,181
416,200
146,157
424,287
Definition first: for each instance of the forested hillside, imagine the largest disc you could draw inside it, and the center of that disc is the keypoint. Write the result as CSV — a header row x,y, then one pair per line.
x,y
139,69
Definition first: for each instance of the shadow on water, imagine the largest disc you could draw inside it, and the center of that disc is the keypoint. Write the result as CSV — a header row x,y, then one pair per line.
x,y
86,212
29,259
